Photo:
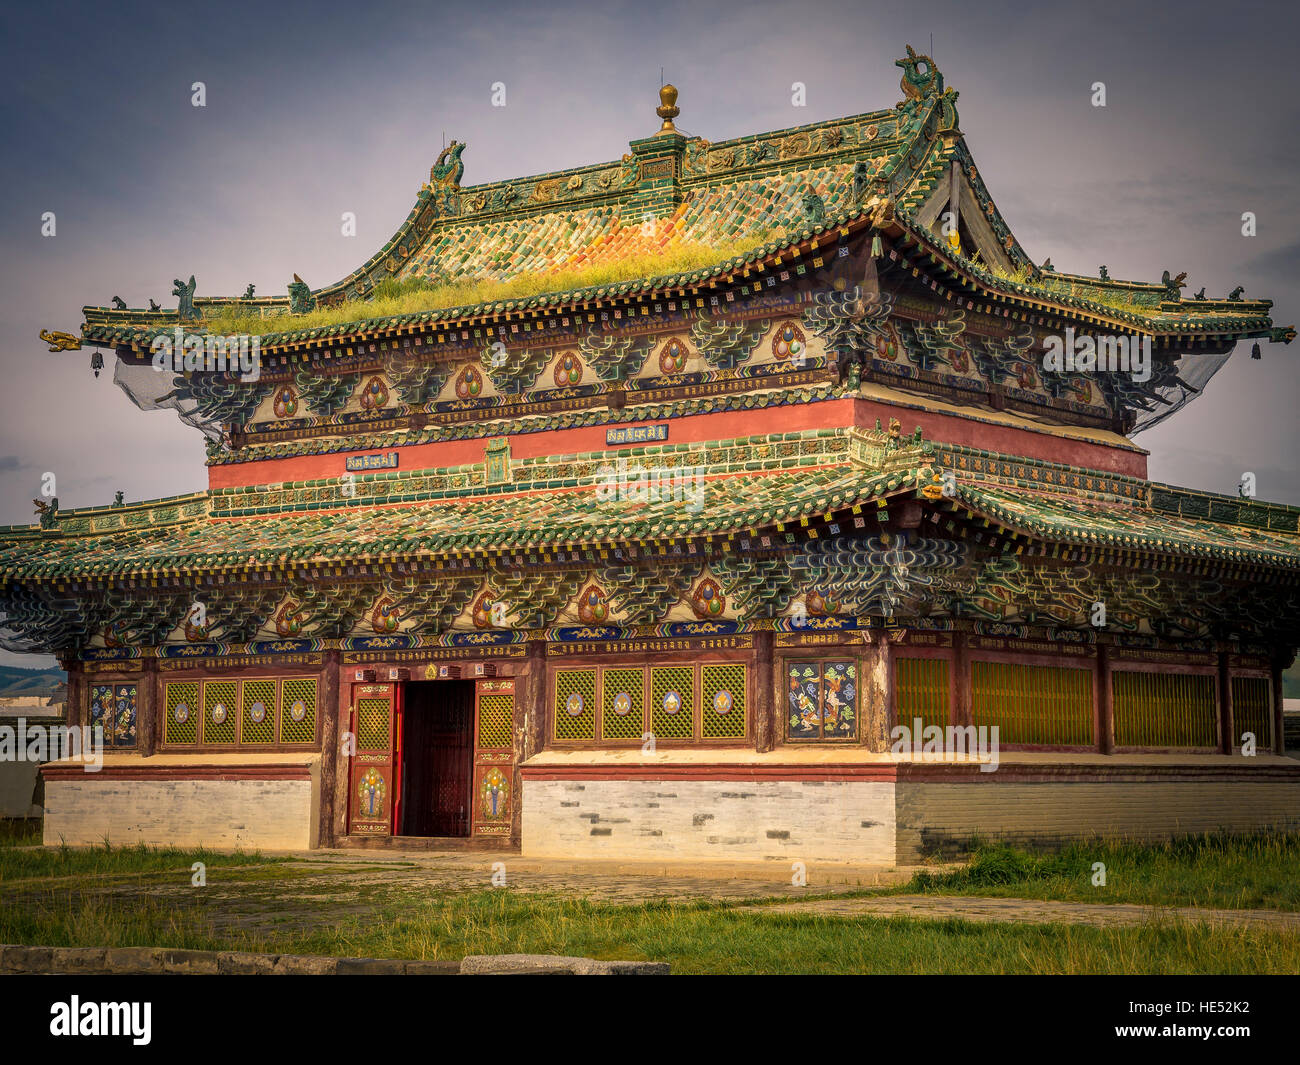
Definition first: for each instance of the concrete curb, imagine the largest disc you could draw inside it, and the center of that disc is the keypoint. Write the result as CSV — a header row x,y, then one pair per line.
x,y
92,961
551,964
88,961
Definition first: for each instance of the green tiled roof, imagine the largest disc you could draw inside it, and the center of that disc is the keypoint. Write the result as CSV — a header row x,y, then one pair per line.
x,y
1075,519
551,504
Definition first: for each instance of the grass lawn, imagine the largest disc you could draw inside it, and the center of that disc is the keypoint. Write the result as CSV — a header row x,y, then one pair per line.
x,y
693,937
21,862
1220,871
136,896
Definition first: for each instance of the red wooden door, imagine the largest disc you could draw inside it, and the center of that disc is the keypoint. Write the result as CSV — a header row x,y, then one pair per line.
x,y
373,784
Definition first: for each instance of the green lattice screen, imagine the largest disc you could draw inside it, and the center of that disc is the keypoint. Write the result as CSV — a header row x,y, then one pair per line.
x,y
575,704
181,702
372,725
219,710
722,701
623,703
496,721
1252,710
672,702
298,710
1164,709
1040,705
257,712
921,691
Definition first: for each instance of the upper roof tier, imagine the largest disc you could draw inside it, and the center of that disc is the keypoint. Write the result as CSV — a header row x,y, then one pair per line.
x,y
679,209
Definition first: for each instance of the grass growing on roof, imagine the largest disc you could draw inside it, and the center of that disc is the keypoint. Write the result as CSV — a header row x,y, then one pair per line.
x,y
394,297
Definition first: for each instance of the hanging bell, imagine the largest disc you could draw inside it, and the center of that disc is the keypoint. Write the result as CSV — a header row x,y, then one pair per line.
x,y
877,248
1254,352
97,363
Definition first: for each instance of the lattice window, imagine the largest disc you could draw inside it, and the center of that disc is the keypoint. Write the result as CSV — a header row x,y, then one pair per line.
x,y
575,704
921,691
112,707
1041,705
821,700
372,725
672,702
298,710
219,702
496,721
623,704
181,712
722,701
1252,710
1164,709
257,712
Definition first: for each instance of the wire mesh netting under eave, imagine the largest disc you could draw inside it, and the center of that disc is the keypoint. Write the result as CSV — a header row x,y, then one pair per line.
x,y
151,390
1194,373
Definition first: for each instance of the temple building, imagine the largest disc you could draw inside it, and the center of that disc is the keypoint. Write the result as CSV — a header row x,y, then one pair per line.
x,y
696,504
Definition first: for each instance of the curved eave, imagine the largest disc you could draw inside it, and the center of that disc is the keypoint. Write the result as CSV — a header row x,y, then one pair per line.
x,y
1045,532
1025,298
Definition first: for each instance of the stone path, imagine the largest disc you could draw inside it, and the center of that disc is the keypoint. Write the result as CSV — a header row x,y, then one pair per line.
x,y
1026,911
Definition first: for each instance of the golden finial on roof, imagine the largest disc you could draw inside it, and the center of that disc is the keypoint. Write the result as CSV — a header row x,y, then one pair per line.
x,y
668,109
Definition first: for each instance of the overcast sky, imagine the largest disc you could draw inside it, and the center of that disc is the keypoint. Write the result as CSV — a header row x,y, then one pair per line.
x,y
317,109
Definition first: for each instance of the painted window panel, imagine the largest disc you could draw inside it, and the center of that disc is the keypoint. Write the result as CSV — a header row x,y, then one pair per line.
x,y
181,712
623,704
113,708
821,700
722,702
672,702
575,704
298,710
219,721
257,712
496,722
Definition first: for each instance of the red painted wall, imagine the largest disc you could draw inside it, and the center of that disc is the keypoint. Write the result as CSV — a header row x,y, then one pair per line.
x,y
721,426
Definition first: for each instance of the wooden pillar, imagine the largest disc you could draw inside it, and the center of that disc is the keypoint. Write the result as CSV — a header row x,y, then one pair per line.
x,y
76,710
887,702
530,726
338,825
765,681
960,712
1279,739
1226,736
1104,700
530,704
148,709
329,749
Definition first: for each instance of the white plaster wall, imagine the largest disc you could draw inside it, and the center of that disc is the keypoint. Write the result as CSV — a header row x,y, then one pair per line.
x,y
837,821
225,814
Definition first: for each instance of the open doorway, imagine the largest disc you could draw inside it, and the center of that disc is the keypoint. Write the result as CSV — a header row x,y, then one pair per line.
x,y
437,759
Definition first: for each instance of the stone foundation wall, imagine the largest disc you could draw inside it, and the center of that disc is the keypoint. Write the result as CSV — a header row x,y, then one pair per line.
x,y
725,820
272,814
937,818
